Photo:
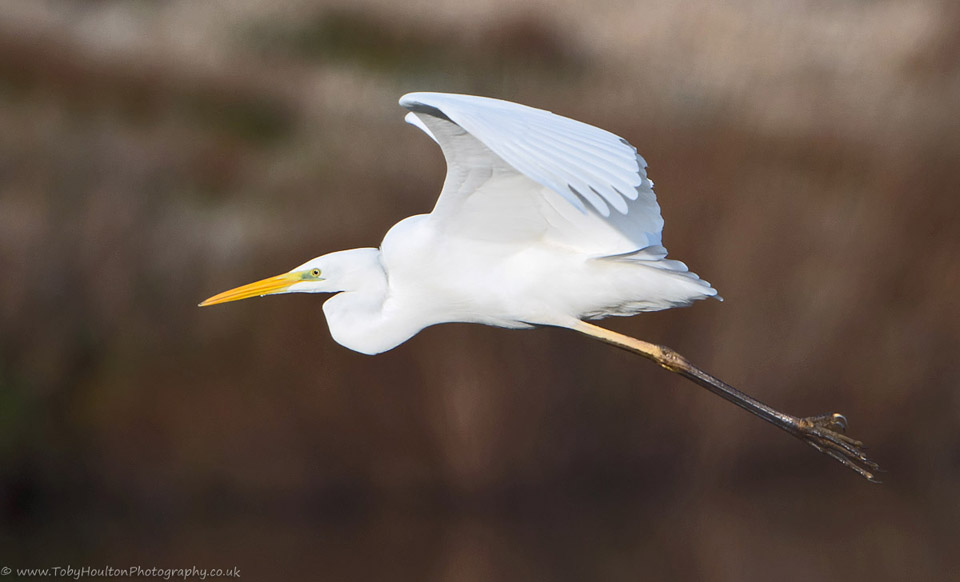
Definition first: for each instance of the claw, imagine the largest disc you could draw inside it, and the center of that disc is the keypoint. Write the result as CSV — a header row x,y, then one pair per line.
x,y
835,422
825,434
840,421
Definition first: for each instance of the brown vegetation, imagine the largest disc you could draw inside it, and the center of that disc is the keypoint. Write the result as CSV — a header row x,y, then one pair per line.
x,y
152,154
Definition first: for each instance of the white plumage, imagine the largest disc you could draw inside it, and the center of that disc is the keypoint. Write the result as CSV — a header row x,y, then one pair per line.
x,y
542,220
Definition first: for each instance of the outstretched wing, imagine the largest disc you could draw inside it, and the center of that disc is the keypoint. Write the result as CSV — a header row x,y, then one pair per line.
x,y
515,172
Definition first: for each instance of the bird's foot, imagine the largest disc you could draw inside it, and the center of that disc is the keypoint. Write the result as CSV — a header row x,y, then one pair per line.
x,y
826,434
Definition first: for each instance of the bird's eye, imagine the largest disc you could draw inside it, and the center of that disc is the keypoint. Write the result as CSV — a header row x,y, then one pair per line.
x,y
315,273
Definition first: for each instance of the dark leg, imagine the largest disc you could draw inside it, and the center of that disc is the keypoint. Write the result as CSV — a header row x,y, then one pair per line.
x,y
823,432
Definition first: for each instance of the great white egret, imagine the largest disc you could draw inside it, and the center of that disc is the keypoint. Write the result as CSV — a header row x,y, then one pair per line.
x,y
542,221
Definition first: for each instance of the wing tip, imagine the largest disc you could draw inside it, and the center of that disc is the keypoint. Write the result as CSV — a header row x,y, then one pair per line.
x,y
414,120
409,99
421,103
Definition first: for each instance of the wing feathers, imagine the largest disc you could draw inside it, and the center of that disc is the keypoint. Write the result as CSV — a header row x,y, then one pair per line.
x,y
491,146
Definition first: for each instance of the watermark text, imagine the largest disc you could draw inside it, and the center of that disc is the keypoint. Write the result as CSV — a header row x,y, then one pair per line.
x,y
81,572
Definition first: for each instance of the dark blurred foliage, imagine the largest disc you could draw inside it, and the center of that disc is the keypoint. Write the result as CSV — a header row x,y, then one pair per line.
x,y
807,160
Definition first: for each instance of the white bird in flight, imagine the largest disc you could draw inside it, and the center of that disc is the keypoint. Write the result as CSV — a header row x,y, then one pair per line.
x,y
542,221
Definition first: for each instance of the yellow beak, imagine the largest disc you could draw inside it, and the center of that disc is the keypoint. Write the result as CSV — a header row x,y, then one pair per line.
x,y
277,284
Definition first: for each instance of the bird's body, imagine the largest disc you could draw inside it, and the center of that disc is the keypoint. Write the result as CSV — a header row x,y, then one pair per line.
x,y
542,220
397,292
501,285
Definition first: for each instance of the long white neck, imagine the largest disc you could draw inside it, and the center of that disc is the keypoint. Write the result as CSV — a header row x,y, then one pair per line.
x,y
356,316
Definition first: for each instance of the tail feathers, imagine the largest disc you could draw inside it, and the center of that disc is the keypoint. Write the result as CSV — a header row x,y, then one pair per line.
x,y
655,256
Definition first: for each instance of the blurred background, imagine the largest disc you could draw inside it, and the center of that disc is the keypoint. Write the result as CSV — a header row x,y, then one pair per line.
x,y
807,161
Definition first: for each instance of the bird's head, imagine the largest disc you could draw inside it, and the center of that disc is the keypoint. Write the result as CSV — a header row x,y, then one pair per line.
x,y
330,273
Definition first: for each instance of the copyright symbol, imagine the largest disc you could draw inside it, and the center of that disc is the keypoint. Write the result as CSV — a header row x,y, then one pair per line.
x,y
4,571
